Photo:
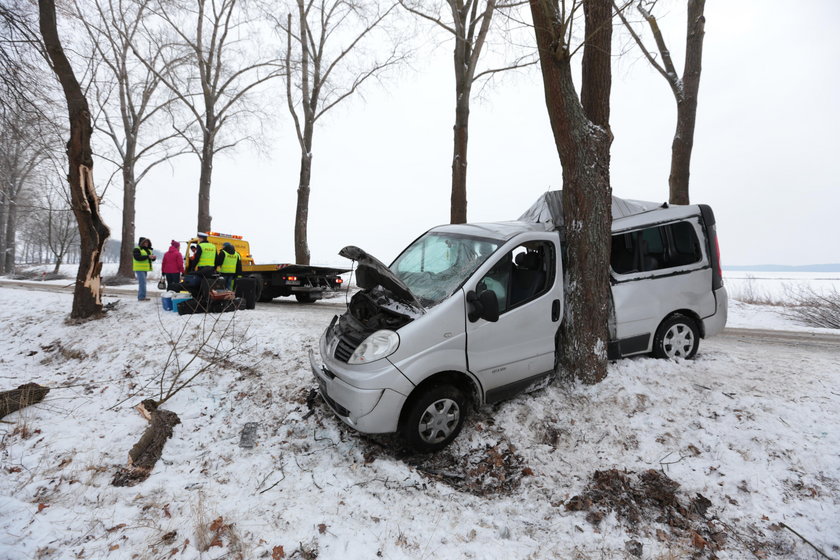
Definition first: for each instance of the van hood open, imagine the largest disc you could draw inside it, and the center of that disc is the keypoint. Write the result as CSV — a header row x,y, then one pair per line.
x,y
372,272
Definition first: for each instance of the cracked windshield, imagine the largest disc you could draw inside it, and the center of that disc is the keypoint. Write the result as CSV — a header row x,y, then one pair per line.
x,y
437,264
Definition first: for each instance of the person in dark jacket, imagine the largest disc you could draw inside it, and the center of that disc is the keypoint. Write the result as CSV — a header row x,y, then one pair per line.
x,y
143,259
229,263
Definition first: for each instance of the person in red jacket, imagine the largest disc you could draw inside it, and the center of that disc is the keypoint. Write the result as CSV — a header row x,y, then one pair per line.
x,y
173,266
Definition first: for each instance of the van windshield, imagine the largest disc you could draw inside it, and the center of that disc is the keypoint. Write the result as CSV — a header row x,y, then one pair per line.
x,y
437,264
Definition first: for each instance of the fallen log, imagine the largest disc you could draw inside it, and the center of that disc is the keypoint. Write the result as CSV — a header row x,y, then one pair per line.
x,y
148,449
23,396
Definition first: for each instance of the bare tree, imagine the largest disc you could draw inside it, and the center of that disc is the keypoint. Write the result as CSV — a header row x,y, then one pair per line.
x,y
61,232
84,200
26,122
214,34
469,23
21,150
685,88
129,98
582,134
325,65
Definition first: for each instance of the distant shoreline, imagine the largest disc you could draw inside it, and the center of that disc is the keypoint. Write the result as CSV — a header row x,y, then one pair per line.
x,y
784,268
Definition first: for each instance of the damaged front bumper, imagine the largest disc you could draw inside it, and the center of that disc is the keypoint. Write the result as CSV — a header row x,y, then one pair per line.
x,y
367,397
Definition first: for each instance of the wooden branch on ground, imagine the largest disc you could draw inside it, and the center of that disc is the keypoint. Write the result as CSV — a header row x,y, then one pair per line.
x,y
23,396
146,452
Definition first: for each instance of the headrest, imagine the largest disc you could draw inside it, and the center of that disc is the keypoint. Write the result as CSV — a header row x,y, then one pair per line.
x,y
528,261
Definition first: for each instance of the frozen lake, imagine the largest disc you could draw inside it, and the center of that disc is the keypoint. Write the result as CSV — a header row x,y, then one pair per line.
x,y
777,286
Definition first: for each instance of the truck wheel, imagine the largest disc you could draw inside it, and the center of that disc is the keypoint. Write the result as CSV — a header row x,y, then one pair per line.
x,y
305,297
434,418
676,337
258,288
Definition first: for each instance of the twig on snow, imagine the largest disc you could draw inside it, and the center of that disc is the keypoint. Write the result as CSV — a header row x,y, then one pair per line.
x,y
809,543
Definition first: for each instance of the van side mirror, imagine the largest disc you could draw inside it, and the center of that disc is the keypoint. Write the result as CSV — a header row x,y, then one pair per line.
x,y
484,305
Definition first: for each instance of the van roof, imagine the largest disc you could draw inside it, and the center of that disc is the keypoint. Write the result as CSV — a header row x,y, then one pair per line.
x,y
629,215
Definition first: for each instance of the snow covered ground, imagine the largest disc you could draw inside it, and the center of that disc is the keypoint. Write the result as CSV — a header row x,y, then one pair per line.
x,y
753,429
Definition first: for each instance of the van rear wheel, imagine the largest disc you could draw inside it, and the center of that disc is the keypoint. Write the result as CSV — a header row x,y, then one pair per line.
x,y
676,337
434,418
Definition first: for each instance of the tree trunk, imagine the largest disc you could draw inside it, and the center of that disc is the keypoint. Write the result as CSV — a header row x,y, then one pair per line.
x,y
4,212
302,212
683,143
204,180
681,148
23,396
83,198
458,202
126,267
583,138
148,449
11,238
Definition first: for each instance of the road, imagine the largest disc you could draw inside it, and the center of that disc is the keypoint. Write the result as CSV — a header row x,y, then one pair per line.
x,y
334,303
829,343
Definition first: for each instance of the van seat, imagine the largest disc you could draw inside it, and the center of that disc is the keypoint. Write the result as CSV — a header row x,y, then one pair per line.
x,y
528,277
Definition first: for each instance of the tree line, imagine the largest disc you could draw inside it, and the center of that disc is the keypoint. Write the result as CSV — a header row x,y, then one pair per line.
x,y
145,81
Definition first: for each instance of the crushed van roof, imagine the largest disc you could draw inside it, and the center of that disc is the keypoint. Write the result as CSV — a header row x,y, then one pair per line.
x,y
548,209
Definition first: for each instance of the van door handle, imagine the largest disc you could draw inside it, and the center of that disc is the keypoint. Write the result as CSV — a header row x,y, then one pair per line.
x,y
555,310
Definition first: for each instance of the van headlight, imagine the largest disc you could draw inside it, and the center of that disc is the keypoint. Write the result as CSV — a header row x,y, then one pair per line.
x,y
375,347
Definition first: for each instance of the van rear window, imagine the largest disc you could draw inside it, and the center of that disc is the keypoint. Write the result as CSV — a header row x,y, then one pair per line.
x,y
655,248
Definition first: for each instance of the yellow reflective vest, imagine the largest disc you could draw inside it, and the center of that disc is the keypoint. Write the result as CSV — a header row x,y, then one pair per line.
x,y
144,264
229,264
208,254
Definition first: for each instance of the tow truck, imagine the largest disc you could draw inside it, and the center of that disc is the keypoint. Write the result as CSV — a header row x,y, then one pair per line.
x,y
307,283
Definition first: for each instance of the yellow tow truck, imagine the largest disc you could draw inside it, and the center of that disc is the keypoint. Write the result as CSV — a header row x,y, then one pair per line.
x,y
307,283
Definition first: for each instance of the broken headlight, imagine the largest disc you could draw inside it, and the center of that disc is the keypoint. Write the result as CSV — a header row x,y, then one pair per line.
x,y
375,347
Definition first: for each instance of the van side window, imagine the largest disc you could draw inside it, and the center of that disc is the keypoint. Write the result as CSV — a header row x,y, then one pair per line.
x,y
521,275
655,248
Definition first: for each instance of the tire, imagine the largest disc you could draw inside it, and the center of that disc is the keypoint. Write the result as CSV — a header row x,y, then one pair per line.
x,y
305,297
434,418
676,337
259,286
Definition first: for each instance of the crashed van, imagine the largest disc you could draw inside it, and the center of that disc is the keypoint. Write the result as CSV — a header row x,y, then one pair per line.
x,y
468,314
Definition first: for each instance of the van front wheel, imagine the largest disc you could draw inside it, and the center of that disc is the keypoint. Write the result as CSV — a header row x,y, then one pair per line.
x,y
676,337
435,418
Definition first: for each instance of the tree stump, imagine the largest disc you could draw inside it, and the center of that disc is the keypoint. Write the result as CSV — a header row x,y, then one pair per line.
x,y
23,396
146,452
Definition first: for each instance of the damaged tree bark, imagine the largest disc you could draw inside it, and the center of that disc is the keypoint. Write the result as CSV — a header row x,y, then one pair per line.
x,y
23,396
84,201
146,452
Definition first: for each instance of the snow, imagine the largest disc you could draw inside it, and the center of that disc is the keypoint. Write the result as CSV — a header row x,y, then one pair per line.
x,y
755,429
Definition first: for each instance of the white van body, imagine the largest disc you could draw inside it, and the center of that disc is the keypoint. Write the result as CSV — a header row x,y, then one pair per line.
x,y
415,344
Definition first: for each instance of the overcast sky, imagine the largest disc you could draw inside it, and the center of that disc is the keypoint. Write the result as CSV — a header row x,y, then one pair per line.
x,y
765,154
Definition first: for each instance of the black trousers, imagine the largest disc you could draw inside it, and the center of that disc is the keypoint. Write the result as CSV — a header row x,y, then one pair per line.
x,y
173,281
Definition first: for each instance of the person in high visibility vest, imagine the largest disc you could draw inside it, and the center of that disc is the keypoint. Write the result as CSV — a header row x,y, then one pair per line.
x,y
143,258
205,256
229,263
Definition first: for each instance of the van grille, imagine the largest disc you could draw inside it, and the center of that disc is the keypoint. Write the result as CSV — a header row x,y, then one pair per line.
x,y
346,346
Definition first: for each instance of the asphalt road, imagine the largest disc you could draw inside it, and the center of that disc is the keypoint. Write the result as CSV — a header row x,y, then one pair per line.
x,y
829,343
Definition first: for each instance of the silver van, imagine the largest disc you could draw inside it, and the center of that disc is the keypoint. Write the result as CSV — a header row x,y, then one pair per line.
x,y
467,314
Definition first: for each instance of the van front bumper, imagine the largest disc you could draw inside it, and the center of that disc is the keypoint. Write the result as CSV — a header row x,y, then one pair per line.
x,y
370,411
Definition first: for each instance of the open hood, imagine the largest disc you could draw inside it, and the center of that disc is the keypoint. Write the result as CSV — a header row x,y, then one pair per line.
x,y
372,272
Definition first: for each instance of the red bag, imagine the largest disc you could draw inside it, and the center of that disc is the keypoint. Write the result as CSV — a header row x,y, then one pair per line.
x,y
221,295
